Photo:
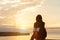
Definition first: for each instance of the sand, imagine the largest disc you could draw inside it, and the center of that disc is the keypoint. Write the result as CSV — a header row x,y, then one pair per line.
x,y
52,39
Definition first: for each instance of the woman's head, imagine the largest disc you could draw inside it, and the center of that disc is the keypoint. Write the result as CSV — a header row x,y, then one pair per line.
x,y
39,18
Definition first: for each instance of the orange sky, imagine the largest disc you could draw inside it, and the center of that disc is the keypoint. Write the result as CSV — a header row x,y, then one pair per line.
x,y
23,13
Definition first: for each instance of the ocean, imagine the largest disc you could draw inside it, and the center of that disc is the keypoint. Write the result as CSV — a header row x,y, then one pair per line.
x,y
51,34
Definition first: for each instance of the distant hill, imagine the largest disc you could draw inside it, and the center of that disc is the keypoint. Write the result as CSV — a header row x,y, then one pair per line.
x,y
12,31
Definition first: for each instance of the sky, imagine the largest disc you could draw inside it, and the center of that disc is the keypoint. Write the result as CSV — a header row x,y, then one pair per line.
x,y
53,7
22,13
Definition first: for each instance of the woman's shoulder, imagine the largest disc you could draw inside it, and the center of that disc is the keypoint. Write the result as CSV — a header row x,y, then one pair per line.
x,y
39,22
43,22
35,23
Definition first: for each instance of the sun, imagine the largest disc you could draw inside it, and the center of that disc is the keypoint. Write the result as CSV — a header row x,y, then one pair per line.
x,y
25,18
20,20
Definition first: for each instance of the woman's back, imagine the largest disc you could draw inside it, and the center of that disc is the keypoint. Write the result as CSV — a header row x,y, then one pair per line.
x,y
42,31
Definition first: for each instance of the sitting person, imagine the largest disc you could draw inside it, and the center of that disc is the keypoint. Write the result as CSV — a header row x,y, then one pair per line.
x,y
39,32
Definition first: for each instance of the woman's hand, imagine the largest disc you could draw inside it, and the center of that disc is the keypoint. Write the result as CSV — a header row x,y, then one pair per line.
x,y
35,34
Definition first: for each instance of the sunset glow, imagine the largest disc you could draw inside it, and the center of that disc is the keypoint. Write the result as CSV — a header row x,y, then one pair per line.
x,y
21,20
22,13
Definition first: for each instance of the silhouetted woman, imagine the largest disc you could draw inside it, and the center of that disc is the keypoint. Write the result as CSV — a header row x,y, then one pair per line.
x,y
39,32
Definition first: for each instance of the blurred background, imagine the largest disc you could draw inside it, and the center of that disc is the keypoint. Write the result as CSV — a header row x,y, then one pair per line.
x,y
19,16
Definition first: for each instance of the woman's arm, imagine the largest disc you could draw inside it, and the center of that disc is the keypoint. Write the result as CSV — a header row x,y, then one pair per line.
x,y
36,28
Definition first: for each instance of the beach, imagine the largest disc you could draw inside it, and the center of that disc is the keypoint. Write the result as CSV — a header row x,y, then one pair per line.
x,y
52,34
24,37
52,39
19,38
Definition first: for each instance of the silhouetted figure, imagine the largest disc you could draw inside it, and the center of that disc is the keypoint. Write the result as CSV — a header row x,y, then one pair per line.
x,y
39,32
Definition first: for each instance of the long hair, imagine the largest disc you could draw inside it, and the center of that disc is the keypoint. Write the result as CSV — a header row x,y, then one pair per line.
x,y
38,18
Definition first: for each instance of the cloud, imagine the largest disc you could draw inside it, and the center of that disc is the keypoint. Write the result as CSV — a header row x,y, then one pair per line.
x,y
9,8
7,5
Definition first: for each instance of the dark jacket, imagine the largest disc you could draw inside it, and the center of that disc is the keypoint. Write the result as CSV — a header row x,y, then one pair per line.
x,y
42,31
